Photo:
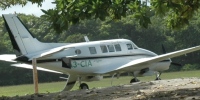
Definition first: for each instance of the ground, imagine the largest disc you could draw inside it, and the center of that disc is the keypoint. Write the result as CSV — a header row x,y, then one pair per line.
x,y
174,89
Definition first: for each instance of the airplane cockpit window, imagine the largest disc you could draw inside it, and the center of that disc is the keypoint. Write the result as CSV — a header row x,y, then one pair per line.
x,y
92,50
129,46
78,51
111,48
134,46
104,49
117,47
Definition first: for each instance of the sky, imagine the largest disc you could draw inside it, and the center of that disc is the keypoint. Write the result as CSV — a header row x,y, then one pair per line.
x,y
29,8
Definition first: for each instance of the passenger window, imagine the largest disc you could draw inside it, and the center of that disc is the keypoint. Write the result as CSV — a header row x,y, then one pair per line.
x,y
129,46
92,50
78,51
111,48
118,47
104,49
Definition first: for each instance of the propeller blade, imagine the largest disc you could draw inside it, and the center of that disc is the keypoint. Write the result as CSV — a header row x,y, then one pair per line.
x,y
172,63
163,49
176,64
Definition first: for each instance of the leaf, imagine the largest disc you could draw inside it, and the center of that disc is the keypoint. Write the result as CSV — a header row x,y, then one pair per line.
x,y
44,11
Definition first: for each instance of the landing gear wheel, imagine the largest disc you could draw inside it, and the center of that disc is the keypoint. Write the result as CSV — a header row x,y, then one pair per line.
x,y
83,86
134,80
158,78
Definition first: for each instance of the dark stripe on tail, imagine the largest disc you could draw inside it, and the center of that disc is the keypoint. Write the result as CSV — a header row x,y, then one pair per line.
x,y
14,43
26,27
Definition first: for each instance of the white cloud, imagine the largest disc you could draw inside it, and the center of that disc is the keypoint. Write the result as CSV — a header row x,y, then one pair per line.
x,y
29,8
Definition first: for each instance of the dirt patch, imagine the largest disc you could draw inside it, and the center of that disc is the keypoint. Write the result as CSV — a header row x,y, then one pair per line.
x,y
174,89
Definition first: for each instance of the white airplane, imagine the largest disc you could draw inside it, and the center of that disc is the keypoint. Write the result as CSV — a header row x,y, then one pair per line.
x,y
87,61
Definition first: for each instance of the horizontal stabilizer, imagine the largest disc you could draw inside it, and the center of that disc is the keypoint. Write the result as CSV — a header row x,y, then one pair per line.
x,y
38,68
8,57
49,52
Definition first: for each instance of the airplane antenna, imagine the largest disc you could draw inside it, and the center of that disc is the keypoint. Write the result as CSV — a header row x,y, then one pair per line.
x,y
86,39
118,36
163,49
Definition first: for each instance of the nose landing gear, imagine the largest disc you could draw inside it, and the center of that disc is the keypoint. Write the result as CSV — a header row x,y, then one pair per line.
x,y
158,76
134,80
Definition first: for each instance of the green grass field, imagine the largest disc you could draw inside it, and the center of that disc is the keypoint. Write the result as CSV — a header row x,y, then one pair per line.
x,y
58,86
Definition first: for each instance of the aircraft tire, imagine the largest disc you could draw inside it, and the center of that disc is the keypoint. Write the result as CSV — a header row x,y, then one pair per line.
x,y
134,80
158,78
83,86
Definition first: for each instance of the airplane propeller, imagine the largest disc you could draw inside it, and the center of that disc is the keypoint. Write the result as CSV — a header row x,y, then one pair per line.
x,y
163,49
172,63
176,64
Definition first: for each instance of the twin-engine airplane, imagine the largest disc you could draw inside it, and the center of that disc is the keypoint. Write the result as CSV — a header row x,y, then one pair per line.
x,y
87,61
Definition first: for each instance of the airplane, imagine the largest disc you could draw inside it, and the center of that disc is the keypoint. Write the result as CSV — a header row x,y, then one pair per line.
x,y
85,61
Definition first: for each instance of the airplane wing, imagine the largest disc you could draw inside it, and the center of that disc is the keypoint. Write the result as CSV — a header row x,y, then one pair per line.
x,y
27,66
146,61
12,57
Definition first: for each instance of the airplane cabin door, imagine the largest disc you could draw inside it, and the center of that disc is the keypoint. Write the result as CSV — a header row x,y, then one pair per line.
x,y
66,62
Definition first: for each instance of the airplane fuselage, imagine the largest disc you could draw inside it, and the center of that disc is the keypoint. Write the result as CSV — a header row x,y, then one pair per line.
x,y
89,58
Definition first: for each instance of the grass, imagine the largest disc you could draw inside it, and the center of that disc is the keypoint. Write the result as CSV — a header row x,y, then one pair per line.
x,y
58,86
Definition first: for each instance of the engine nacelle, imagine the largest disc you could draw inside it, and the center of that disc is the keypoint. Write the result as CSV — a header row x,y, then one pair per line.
x,y
92,78
160,67
144,72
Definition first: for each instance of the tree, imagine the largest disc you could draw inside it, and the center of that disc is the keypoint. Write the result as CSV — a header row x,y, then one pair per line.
x,y
8,3
176,13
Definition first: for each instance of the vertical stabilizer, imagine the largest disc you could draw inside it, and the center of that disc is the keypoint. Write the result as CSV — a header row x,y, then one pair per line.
x,y
22,39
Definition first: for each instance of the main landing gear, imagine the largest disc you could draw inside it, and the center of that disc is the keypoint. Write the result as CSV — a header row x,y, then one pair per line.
x,y
134,79
82,86
158,76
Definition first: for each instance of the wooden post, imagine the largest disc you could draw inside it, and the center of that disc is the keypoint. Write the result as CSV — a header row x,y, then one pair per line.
x,y
35,75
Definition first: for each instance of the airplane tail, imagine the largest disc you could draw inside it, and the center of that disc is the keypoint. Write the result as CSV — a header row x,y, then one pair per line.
x,y
21,38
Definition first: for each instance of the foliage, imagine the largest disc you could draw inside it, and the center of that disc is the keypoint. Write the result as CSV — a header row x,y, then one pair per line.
x,y
8,3
188,67
176,13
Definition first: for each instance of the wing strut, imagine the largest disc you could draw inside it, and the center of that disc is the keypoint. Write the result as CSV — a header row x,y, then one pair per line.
x,y
71,80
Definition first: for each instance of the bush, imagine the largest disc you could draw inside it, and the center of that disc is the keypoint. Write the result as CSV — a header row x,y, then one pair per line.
x,y
188,67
